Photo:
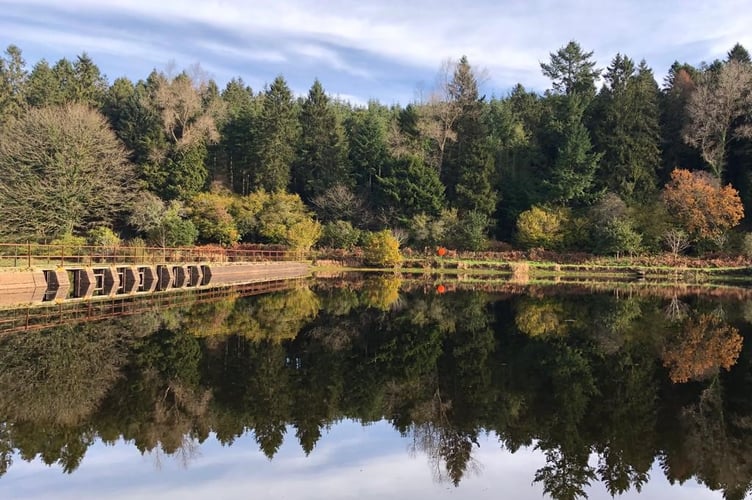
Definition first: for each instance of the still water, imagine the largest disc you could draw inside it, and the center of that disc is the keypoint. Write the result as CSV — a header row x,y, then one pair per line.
x,y
386,388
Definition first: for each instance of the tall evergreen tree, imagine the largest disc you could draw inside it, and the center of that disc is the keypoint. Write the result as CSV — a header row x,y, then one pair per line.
x,y
627,131
468,165
12,80
89,85
411,187
135,121
234,153
321,158
276,139
514,127
572,71
739,54
367,152
570,179
42,87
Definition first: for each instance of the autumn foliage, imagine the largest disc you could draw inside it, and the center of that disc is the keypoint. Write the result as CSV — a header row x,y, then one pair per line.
x,y
705,345
702,207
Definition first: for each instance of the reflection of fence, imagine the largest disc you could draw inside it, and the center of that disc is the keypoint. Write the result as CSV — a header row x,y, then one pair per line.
x,y
41,317
35,254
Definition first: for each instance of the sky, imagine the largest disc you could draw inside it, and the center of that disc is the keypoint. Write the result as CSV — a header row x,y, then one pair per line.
x,y
390,50
350,461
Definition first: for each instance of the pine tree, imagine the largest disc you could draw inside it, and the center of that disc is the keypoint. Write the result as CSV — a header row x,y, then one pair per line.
x,y
411,187
571,177
739,54
276,139
468,165
234,153
12,81
42,88
572,71
321,154
88,85
367,148
627,132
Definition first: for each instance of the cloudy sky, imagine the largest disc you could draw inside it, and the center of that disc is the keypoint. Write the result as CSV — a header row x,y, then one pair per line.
x,y
350,461
390,50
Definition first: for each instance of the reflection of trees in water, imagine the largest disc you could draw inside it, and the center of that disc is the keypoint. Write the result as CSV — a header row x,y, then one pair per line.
x,y
704,345
572,375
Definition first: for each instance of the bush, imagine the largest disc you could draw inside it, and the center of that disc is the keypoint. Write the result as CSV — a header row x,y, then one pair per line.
x,y
103,237
542,227
339,234
173,231
70,245
212,220
470,231
747,245
278,218
382,249
616,237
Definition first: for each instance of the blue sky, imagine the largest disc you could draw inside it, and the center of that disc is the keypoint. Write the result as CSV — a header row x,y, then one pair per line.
x,y
350,461
390,50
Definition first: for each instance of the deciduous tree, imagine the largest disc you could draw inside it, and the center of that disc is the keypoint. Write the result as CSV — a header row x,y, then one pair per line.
x,y
63,171
717,103
704,209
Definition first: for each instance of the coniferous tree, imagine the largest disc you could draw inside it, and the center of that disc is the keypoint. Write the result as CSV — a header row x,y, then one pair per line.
x,y
89,85
234,152
411,187
12,81
572,71
739,54
627,132
571,176
134,120
468,165
368,153
513,130
276,139
42,88
321,157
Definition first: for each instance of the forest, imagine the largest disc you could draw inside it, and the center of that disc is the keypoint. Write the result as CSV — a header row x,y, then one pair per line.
x,y
607,160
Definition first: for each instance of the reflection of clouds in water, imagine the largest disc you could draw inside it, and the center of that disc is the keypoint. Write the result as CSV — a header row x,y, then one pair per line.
x,y
352,461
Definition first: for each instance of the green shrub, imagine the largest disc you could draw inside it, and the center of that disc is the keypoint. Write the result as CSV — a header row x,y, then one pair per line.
x,y
382,249
617,237
747,245
339,234
210,215
543,227
103,236
70,245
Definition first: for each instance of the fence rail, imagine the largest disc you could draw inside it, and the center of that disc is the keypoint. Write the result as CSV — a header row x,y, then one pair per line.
x,y
38,317
36,254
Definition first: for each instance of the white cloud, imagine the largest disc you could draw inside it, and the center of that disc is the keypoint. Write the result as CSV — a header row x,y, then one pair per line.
x,y
508,38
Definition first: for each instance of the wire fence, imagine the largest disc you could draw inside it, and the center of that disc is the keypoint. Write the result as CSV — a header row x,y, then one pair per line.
x,y
36,254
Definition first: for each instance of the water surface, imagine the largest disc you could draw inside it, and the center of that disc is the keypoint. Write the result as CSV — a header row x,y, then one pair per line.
x,y
386,388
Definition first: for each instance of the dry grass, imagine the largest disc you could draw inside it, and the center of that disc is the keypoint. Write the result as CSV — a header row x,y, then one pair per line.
x,y
520,272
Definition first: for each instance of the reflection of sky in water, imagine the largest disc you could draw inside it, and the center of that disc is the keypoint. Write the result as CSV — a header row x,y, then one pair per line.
x,y
351,461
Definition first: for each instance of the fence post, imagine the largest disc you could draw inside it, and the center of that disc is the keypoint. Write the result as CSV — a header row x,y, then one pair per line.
x,y
28,253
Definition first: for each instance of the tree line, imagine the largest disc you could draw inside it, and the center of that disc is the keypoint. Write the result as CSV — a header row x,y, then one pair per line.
x,y
629,167
603,384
